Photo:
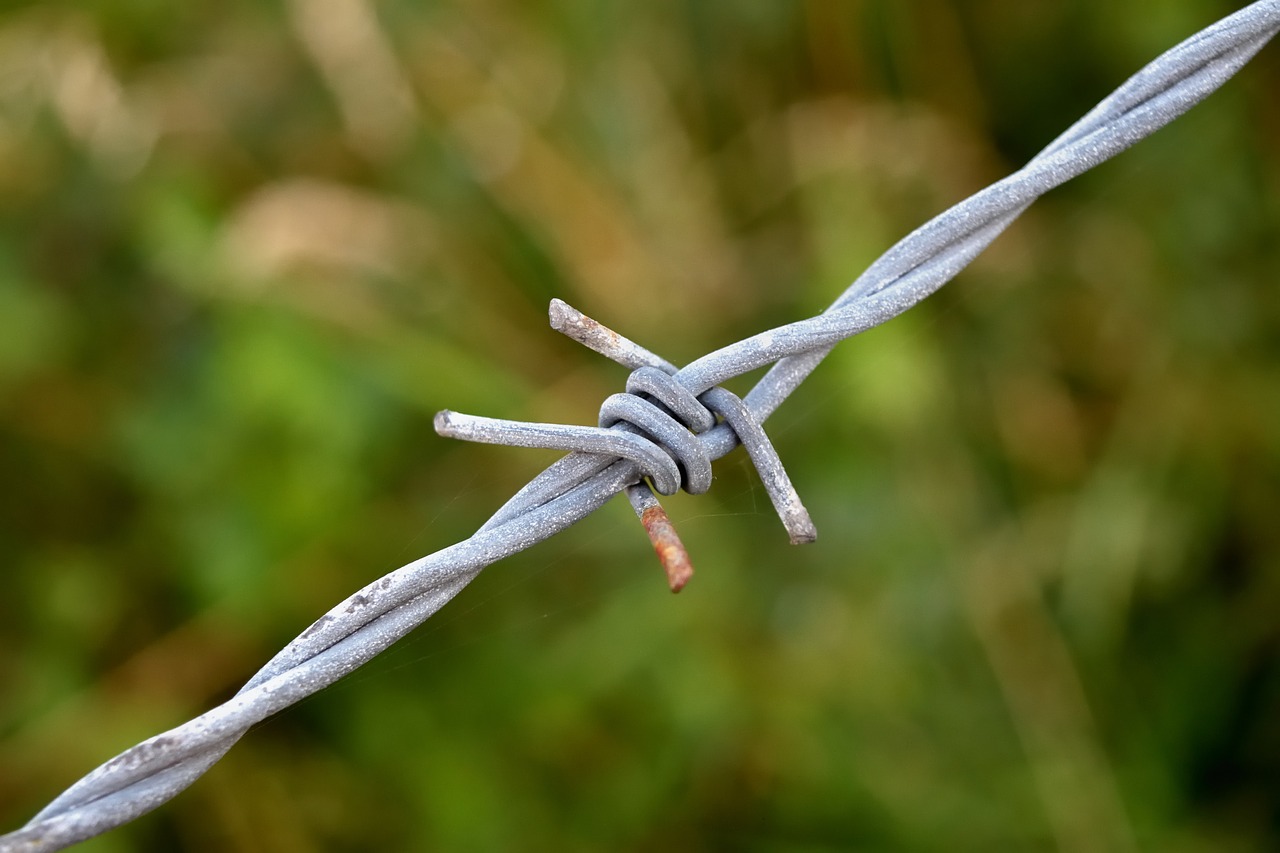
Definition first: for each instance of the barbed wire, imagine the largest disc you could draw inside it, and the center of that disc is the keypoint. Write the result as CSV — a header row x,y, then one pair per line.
x,y
668,428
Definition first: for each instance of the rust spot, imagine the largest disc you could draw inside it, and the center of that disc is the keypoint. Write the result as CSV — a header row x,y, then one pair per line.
x,y
601,335
668,547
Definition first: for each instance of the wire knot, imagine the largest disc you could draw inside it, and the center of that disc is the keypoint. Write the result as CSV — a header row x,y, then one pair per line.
x,y
659,408
660,425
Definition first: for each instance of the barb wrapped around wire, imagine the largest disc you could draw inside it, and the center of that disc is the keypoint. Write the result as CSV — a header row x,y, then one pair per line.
x,y
657,425
359,628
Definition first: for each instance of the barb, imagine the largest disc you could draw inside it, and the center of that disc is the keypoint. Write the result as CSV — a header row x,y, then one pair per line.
x,y
657,425
142,778
571,322
662,533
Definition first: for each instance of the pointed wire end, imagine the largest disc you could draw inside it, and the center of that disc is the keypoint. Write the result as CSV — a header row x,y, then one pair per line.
x,y
800,527
562,314
803,537
594,335
667,545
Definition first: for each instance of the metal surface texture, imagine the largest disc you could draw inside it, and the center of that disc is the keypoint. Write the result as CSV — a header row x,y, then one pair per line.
x,y
669,427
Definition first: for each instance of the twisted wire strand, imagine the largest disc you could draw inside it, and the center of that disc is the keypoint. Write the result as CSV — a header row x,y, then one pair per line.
x,y
149,774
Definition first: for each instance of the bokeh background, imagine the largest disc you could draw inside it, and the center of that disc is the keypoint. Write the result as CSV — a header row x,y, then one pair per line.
x,y
249,249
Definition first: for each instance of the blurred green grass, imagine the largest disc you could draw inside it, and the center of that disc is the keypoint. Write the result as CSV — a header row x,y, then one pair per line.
x,y
249,250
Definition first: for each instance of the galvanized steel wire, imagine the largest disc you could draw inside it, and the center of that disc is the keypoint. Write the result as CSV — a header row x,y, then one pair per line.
x,y
635,442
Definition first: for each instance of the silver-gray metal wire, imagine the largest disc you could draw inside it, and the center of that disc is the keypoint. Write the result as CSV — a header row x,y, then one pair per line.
x,y
149,774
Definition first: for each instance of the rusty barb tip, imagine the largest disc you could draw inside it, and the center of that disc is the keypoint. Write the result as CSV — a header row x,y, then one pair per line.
x,y
594,335
667,545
